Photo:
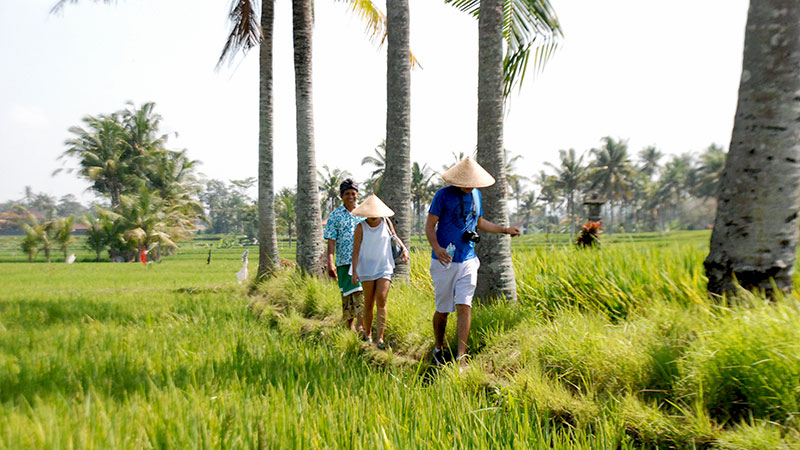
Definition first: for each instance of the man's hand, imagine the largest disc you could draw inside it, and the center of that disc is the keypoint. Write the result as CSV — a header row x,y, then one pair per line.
x,y
404,256
442,255
354,278
332,273
513,231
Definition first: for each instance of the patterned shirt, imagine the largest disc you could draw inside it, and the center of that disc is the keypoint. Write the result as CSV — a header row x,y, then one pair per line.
x,y
341,226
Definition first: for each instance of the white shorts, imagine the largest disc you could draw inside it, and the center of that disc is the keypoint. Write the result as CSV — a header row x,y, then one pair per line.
x,y
454,285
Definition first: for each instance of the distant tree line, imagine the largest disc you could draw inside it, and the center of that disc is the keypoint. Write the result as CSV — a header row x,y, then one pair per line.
x,y
645,194
152,192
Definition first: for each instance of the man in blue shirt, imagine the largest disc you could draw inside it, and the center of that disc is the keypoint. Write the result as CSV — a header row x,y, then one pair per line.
x,y
458,211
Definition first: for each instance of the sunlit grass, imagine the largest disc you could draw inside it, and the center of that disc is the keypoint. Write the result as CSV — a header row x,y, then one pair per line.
x,y
616,348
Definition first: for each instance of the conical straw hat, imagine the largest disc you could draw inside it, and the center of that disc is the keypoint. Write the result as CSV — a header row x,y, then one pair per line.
x,y
372,207
468,174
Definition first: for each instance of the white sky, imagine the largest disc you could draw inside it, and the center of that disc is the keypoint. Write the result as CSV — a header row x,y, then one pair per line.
x,y
654,72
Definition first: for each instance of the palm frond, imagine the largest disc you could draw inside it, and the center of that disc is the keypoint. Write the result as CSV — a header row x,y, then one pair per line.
x,y
375,24
373,18
528,26
246,31
60,4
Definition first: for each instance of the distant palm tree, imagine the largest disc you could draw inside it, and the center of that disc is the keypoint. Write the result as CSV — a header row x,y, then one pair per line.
x,y
422,191
709,172
38,235
610,172
142,137
378,162
62,233
569,177
329,183
649,157
457,158
548,196
515,180
102,156
529,206
285,203
675,183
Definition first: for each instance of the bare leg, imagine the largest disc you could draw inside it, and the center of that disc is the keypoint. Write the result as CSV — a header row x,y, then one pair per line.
x,y
369,302
464,322
358,299
382,286
439,325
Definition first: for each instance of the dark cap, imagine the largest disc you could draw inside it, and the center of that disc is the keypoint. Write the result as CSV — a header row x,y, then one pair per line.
x,y
348,184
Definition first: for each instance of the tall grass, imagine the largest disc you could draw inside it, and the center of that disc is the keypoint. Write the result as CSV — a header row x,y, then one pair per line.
x,y
616,348
167,355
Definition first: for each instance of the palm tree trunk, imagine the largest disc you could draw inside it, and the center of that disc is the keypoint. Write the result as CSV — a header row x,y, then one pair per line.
x,y
309,228
396,183
496,275
756,229
268,259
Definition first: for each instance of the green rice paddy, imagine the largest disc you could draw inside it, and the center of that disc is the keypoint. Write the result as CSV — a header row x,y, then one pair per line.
x,y
616,348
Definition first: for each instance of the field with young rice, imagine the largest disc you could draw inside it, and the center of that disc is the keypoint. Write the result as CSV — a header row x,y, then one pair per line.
x,y
616,348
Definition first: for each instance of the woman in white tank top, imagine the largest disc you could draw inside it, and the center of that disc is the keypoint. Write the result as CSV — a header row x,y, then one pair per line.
x,y
373,263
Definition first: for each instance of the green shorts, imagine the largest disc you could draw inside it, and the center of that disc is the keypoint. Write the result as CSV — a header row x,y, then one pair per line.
x,y
346,286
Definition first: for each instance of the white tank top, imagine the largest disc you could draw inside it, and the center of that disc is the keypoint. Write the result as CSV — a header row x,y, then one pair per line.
x,y
375,254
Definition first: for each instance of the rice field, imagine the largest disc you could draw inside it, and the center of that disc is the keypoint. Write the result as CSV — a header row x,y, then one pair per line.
x,y
617,348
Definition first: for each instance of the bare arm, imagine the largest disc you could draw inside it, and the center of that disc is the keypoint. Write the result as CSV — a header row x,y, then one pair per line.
x,y
489,227
430,233
329,254
357,238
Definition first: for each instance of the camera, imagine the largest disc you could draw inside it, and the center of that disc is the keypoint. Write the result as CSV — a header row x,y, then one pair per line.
x,y
471,236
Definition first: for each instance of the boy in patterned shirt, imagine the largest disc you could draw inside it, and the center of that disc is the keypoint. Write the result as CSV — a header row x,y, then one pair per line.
x,y
339,232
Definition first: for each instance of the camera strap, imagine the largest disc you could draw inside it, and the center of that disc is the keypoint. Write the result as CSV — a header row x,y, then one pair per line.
x,y
474,206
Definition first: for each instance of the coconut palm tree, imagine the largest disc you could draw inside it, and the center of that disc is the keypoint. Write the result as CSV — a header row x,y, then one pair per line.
x,y
397,173
62,233
709,171
755,233
610,172
378,162
515,180
251,28
102,155
38,235
329,186
526,24
649,157
246,33
422,191
285,205
568,179
309,222
548,196
529,26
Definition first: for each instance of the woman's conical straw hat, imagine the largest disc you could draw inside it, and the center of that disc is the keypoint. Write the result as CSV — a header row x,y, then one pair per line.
x,y
468,174
372,207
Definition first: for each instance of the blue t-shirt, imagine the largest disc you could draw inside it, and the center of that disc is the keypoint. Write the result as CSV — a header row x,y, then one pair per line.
x,y
454,208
